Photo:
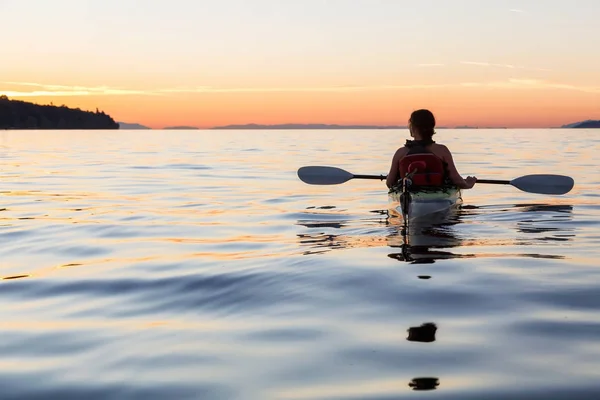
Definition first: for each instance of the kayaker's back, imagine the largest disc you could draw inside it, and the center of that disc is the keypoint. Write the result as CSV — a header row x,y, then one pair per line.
x,y
417,147
421,126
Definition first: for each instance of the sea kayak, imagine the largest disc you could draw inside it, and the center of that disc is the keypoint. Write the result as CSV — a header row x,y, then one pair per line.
x,y
424,203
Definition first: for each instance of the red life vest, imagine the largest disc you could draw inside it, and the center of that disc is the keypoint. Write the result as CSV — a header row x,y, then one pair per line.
x,y
429,169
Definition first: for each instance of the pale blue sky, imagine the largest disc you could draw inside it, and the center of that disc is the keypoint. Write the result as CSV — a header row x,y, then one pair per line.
x,y
355,34
143,44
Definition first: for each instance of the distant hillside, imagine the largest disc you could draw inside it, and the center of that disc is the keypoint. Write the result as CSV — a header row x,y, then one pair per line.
x,y
571,125
16,114
588,124
181,127
126,125
583,124
307,126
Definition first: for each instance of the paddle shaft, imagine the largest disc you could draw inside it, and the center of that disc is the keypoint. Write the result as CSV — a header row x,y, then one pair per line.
x,y
380,177
493,181
489,181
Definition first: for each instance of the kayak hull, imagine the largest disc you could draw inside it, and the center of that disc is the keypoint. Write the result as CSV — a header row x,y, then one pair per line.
x,y
424,204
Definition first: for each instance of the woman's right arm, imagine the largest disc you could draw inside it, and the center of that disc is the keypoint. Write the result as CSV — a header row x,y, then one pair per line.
x,y
455,177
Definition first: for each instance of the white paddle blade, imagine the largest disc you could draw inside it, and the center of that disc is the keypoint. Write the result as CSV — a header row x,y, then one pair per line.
x,y
544,184
314,175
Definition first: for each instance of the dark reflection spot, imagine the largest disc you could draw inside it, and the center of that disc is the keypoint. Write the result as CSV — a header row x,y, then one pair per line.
x,y
424,333
397,256
424,277
423,261
380,212
424,383
15,277
336,225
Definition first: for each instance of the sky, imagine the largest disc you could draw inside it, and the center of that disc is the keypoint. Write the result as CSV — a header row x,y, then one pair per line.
x,y
204,63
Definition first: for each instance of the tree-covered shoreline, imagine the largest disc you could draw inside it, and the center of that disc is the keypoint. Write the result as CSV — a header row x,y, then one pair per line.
x,y
17,114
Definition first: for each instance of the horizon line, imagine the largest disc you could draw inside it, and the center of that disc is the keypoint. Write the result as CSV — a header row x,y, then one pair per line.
x,y
332,126
321,125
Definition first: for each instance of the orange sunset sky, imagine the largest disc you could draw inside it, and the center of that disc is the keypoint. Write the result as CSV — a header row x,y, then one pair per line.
x,y
492,63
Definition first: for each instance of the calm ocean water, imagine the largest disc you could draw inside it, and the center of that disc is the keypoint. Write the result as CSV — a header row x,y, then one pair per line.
x,y
196,265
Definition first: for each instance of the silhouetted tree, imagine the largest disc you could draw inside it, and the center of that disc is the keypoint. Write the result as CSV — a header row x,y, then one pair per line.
x,y
16,114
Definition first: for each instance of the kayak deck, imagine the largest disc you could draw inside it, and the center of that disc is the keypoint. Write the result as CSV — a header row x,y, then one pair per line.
x,y
427,202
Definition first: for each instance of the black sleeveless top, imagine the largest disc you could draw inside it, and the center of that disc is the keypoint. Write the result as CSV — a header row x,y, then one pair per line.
x,y
418,146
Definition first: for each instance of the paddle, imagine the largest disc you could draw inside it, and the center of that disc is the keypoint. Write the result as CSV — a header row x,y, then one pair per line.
x,y
540,183
330,175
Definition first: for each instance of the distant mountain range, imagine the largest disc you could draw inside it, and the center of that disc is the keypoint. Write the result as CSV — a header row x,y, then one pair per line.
x,y
333,126
307,126
124,125
181,127
474,127
133,125
583,124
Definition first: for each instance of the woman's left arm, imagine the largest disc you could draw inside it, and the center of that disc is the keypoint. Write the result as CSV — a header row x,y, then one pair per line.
x,y
392,177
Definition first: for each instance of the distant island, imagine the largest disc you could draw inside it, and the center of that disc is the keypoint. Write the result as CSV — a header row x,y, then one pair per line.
x,y
181,127
307,126
477,127
126,125
17,114
334,126
589,124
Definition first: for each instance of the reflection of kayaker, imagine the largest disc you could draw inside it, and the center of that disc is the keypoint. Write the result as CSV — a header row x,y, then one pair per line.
x,y
433,161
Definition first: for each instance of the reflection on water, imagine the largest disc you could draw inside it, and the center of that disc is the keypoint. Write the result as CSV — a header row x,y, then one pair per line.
x,y
547,219
428,241
489,231
190,265
422,384
423,334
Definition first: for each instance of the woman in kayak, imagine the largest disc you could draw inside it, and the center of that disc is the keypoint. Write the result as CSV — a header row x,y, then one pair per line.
x,y
421,126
